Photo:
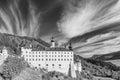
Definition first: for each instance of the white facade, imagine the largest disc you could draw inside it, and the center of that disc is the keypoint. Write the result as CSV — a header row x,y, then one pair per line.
x,y
3,55
78,67
52,60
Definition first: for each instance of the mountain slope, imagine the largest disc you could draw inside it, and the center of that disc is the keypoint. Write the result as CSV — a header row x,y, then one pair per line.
x,y
105,57
99,68
15,42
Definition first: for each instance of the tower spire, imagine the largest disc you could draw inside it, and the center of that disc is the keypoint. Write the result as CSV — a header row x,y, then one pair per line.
x,y
52,42
70,46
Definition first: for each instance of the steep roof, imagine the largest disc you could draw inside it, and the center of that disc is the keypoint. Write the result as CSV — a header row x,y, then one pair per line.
x,y
58,49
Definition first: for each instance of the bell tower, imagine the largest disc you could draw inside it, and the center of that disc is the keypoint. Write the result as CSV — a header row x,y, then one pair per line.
x,y
52,42
70,46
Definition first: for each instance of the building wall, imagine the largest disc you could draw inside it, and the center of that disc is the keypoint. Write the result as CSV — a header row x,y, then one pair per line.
x,y
3,55
50,60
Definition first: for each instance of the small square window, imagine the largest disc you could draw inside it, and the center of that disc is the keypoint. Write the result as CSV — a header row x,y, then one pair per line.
x,y
67,59
52,59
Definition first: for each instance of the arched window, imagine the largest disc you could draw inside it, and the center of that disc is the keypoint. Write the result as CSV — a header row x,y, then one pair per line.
x,y
46,64
59,65
52,64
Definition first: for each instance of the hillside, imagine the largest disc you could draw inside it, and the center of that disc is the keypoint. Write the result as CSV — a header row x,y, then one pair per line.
x,y
15,42
105,57
99,68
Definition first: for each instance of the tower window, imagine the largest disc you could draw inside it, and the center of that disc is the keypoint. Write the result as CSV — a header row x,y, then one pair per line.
x,y
39,65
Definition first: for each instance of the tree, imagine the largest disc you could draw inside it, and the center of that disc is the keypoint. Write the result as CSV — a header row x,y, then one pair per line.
x,y
13,66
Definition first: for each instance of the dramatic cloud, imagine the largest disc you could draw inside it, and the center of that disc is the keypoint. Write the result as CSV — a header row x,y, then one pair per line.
x,y
82,16
93,26
14,21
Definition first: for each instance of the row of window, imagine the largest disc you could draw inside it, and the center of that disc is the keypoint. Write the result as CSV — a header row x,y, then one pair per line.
x,y
50,52
50,65
49,55
49,59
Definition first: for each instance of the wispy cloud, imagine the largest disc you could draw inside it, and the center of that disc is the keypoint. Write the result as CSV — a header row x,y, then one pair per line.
x,y
13,22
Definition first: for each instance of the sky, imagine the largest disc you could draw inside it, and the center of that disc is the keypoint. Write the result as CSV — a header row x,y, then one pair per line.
x,y
93,26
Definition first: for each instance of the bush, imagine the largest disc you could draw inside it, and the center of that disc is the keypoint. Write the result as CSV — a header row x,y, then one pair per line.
x,y
13,66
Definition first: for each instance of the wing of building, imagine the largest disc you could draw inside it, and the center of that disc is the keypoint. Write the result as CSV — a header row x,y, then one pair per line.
x,y
52,58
